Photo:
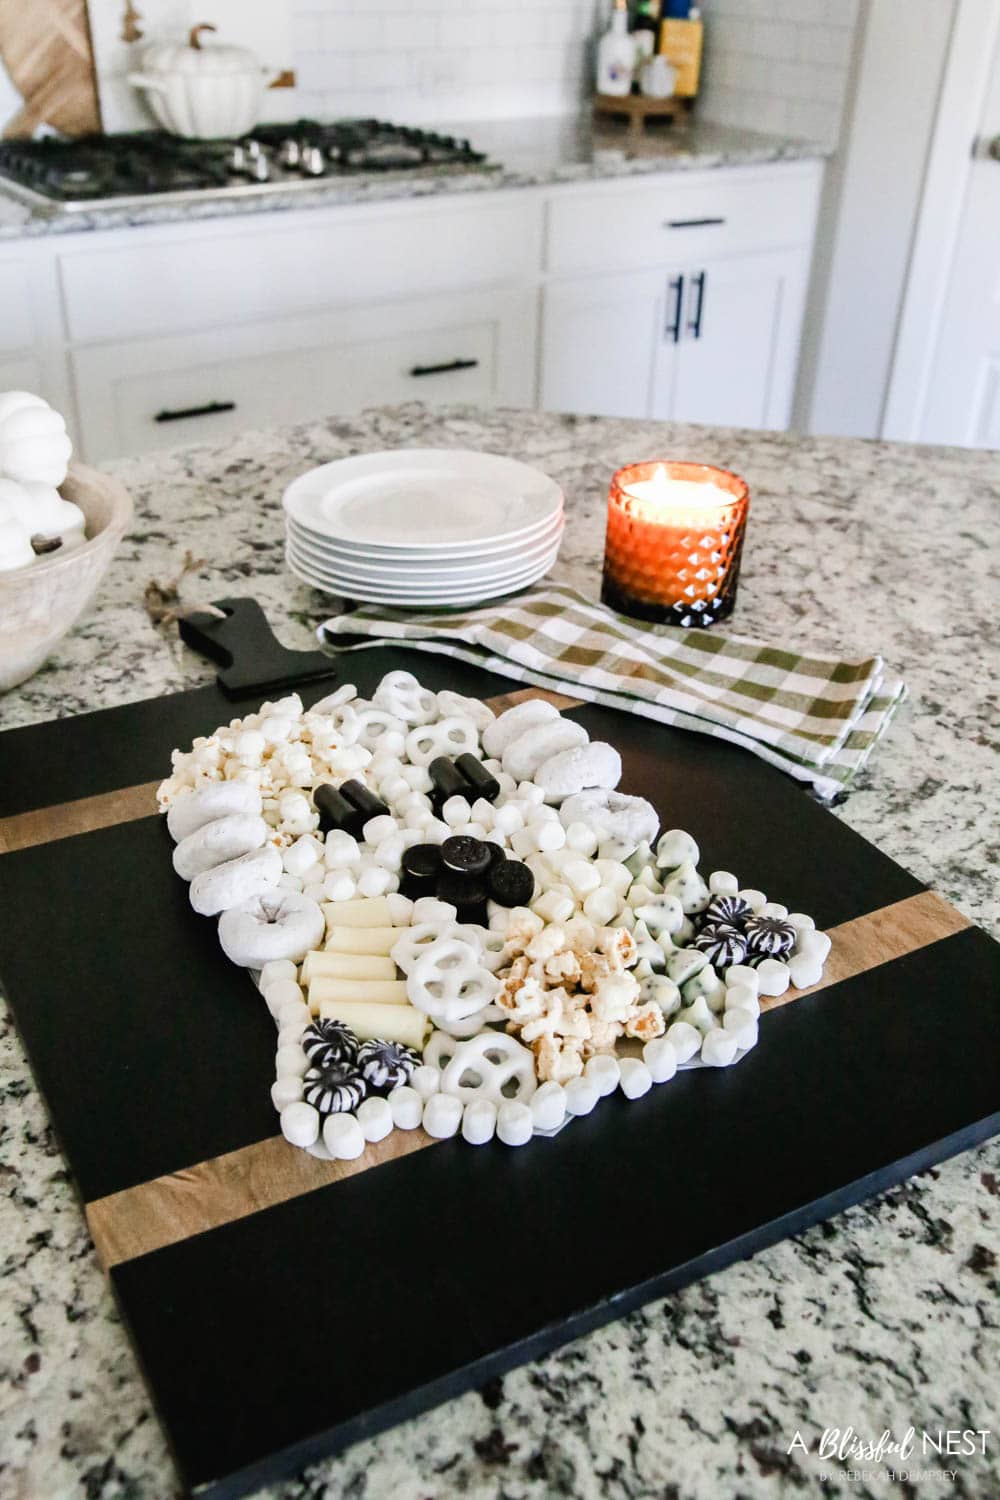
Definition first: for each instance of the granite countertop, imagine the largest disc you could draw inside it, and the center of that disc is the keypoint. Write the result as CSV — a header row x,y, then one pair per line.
x,y
524,153
884,1317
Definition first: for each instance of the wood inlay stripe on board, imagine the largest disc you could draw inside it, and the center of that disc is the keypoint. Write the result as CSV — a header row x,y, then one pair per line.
x,y
169,1209
45,824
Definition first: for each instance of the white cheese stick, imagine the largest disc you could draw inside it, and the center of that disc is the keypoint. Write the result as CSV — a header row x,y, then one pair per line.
x,y
389,1023
347,966
364,991
375,940
368,911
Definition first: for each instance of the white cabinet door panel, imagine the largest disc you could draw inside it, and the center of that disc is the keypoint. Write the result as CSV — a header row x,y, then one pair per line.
x,y
163,393
17,328
599,341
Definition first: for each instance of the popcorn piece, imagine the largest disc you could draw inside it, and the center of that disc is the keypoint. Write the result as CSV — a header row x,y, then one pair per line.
x,y
615,997
645,1022
557,1062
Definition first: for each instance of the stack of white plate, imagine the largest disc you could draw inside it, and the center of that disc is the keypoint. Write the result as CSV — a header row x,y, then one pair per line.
x,y
423,527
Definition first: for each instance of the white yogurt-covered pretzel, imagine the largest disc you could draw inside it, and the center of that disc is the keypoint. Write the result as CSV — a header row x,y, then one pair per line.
x,y
490,1066
449,704
379,728
400,693
416,940
455,735
448,982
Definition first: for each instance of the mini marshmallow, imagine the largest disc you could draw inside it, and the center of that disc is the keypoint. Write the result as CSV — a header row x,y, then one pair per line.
x,y
675,847
685,1040
743,1026
291,1035
289,883
375,1118
425,1080
407,1107
278,968
479,1121
396,790
419,778
660,1057
293,1013
742,997
339,885
800,921
581,1095
280,992
530,793
456,811
342,851
549,835
442,1116
602,906
554,906
377,829
636,1079
812,944
508,818
430,909
300,1124
377,881
472,830
286,1090
804,971
515,1126
301,856
290,1062
582,839
390,851
523,843
482,812
581,876
548,1106
719,1048
773,909
614,876
774,977
343,1137
400,909
756,900
604,1071
743,974
722,883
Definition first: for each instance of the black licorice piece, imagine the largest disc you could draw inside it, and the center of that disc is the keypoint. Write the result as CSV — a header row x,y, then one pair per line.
x,y
365,800
466,856
511,883
482,782
446,780
335,811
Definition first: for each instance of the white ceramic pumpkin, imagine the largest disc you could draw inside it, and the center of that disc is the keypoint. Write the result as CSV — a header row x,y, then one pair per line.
x,y
34,443
42,511
203,92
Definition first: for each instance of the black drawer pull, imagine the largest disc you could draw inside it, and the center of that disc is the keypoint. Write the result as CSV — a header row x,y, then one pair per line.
x,y
692,223
210,409
445,369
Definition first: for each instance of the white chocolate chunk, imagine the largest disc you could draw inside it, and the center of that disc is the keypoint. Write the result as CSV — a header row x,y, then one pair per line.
x,y
330,965
388,1023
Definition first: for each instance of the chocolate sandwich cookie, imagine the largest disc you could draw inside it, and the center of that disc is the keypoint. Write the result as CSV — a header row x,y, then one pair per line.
x,y
482,782
419,870
465,856
336,812
468,894
511,883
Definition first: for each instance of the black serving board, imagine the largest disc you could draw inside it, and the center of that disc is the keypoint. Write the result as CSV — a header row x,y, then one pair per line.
x,y
288,1334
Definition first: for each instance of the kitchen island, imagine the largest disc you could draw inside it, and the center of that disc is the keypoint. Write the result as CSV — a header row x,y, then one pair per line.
x,y
884,1317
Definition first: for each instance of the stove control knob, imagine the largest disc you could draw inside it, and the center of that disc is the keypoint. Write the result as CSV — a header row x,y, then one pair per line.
x,y
313,164
290,153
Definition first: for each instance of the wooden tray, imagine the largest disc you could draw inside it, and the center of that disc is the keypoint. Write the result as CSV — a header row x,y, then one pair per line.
x,y
282,1307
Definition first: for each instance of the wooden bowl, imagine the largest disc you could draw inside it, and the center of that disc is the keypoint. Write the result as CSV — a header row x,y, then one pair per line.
x,y
40,603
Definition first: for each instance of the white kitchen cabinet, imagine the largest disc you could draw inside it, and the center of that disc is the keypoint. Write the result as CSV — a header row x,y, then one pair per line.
x,y
157,393
706,328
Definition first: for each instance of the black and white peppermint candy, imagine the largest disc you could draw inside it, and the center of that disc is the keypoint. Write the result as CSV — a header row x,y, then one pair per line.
x,y
334,1090
385,1065
727,911
725,945
769,937
327,1043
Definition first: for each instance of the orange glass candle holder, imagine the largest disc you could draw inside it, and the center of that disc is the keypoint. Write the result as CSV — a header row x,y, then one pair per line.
x,y
674,539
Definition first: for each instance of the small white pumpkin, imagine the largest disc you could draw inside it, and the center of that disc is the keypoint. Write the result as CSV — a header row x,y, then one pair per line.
x,y
34,444
42,511
204,92
16,550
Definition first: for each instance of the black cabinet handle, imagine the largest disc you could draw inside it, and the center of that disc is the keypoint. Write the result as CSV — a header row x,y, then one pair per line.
x,y
673,328
694,324
445,369
210,409
692,223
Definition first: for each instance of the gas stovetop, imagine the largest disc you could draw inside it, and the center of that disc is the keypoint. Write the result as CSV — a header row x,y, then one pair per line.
x,y
115,170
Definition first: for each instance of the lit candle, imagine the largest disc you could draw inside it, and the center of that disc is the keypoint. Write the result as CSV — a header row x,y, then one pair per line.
x,y
675,534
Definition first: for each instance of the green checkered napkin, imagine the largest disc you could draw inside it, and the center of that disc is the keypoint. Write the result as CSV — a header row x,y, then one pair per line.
x,y
815,717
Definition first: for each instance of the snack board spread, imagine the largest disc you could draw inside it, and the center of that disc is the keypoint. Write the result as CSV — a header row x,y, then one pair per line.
x,y
459,922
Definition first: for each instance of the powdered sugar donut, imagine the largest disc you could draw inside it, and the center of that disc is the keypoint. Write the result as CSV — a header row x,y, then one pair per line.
x,y
513,722
612,815
523,756
236,881
595,765
193,809
280,924
218,841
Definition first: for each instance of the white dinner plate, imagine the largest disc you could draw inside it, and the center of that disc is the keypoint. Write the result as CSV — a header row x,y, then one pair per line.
x,y
424,499
424,557
426,588
463,595
454,569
